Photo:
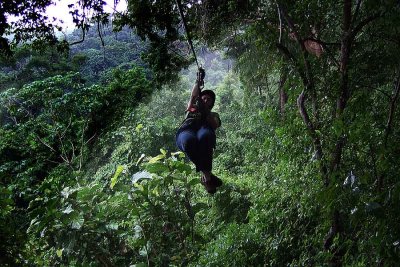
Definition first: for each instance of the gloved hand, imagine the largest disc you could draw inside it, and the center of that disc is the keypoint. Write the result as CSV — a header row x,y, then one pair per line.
x,y
200,76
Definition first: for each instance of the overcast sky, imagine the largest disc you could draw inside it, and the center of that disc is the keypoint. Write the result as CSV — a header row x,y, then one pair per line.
x,y
60,10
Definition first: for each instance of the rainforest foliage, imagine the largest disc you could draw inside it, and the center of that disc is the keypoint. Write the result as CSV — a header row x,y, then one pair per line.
x,y
308,150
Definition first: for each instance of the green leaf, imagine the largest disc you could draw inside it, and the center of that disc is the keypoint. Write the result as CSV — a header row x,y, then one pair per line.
x,y
140,175
68,210
114,179
156,158
66,192
87,193
157,167
180,154
193,182
77,222
139,127
181,167
112,226
140,159
177,177
59,252
199,206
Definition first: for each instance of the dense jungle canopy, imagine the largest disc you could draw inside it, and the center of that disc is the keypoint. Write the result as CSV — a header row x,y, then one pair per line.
x,y
309,148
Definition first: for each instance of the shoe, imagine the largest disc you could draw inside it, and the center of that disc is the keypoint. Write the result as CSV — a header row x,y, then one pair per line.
x,y
216,181
208,185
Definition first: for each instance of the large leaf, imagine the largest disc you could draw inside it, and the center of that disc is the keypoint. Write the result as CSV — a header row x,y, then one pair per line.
x,y
181,167
156,167
193,182
157,158
114,179
140,175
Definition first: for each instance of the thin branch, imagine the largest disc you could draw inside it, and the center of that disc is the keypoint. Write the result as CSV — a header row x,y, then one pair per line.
x,y
83,37
63,153
392,109
90,139
44,143
280,24
73,150
307,79
176,52
66,129
99,31
362,24
289,21
307,68
81,153
65,159
313,134
52,161
344,95
356,10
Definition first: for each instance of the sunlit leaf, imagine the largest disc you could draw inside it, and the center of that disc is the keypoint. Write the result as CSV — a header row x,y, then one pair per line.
x,y
112,226
180,154
77,222
68,210
163,151
156,158
114,179
59,252
140,159
140,175
139,127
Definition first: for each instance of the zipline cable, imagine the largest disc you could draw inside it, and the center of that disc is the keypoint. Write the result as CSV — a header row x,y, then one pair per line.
x,y
178,3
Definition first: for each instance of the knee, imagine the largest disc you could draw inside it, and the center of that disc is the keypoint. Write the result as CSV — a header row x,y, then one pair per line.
x,y
189,144
207,135
186,142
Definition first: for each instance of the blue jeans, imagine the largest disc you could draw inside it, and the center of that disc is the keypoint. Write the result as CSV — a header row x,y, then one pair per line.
x,y
198,145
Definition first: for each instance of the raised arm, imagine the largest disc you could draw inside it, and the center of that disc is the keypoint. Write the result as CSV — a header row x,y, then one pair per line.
x,y
194,95
196,88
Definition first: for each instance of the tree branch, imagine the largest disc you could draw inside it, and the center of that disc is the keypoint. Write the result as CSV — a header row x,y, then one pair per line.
x,y
392,109
83,37
308,83
344,87
280,24
307,79
356,10
313,134
44,143
363,23
282,94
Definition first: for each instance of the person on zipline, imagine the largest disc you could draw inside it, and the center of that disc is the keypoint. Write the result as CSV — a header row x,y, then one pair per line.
x,y
196,135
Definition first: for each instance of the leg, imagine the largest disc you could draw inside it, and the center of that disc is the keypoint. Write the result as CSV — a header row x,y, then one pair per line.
x,y
206,137
187,142
207,141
